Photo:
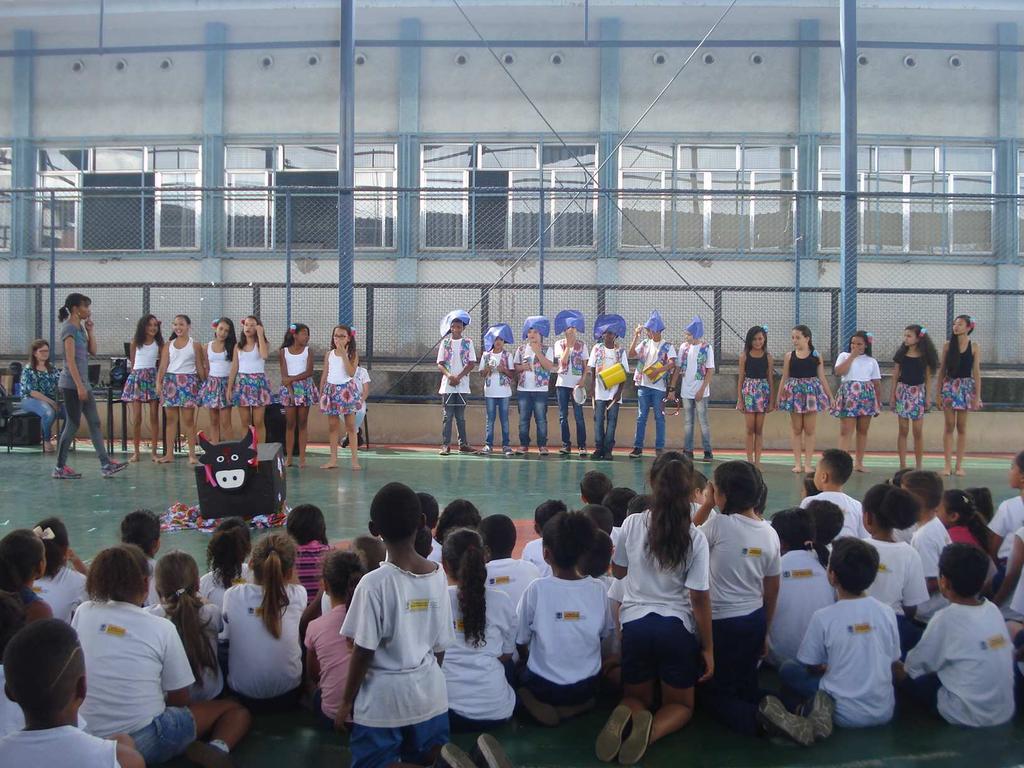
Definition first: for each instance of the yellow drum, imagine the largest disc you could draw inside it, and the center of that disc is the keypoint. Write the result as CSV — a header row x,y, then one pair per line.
x,y
612,375
655,371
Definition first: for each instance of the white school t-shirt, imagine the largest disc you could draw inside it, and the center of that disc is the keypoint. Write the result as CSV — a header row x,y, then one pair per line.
x,y
1007,519
563,621
929,541
362,377
63,592
261,666
858,641
900,580
133,658
533,552
12,719
691,385
743,552
406,619
1017,601
970,650
152,598
649,588
577,363
496,384
211,589
456,350
511,577
475,678
435,551
647,355
212,682
62,747
853,512
863,368
535,378
803,589
602,357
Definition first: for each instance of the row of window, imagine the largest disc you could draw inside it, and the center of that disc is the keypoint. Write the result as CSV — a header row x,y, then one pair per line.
x,y
484,196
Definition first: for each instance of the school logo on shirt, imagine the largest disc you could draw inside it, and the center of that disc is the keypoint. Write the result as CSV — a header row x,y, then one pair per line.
x,y
751,551
882,568
499,580
419,605
460,625
112,629
256,612
37,590
994,643
238,581
860,629
568,616
800,573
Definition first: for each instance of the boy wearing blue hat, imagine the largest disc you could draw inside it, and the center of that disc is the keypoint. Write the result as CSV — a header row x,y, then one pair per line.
x,y
455,358
496,367
571,355
696,366
655,360
534,362
604,355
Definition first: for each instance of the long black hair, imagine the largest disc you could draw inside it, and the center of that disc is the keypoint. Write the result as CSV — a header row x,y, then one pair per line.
x,y
805,331
892,508
140,331
188,321
748,342
289,335
797,531
668,537
73,300
953,353
962,505
925,346
232,338
465,559
741,483
867,337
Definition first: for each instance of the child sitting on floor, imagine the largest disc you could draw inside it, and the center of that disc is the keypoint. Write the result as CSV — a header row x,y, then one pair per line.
x,y
62,586
226,557
307,526
929,537
832,473
142,528
533,552
503,572
22,561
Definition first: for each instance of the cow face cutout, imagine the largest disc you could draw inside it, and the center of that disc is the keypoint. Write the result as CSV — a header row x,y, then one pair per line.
x,y
227,464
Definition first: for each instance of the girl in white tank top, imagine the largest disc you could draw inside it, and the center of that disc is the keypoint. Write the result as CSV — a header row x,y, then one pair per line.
x,y
248,388
340,393
182,366
298,391
140,386
220,354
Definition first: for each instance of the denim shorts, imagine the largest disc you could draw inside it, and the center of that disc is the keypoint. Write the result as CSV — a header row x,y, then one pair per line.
x,y
661,648
381,747
167,736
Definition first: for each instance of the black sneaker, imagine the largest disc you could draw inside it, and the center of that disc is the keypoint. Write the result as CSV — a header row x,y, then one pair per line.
x,y
688,454
709,456
636,453
597,456
565,450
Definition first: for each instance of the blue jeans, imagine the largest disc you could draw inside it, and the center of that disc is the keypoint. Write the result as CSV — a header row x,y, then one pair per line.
x,y
648,398
383,747
733,693
458,413
799,679
606,418
564,395
47,415
499,404
166,736
75,408
689,406
533,404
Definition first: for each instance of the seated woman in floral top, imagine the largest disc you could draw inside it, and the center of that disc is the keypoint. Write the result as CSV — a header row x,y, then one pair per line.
x,y
39,390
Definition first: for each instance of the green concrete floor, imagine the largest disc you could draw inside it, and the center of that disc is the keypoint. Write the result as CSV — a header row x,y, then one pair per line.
x,y
92,508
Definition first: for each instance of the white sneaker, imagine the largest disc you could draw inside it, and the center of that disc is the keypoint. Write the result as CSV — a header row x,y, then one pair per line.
x,y
485,449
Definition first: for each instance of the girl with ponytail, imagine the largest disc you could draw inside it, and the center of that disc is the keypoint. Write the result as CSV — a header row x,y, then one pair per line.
x,y
803,391
78,338
665,615
959,388
479,696
226,557
198,622
804,587
261,624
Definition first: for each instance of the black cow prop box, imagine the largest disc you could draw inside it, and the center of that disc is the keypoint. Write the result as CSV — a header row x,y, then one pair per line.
x,y
241,478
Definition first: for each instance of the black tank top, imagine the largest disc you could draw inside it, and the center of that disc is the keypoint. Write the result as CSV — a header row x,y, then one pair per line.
x,y
966,368
806,368
756,367
912,371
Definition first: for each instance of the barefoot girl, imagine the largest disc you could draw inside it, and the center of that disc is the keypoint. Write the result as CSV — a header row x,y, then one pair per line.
x,y
858,399
959,388
140,388
298,390
916,361
182,365
340,392
803,391
220,354
247,385
755,388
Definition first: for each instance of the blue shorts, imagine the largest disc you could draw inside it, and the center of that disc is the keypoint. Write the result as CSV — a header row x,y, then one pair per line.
x,y
659,648
167,736
381,747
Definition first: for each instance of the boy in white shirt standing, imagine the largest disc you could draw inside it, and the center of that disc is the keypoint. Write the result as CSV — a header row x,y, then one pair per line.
x,y
696,367
930,536
534,362
832,473
45,674
571,355
400,624
655,360
846,658
963,664
455,358
604,355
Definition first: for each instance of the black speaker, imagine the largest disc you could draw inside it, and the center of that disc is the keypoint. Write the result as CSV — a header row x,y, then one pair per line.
x,y
274,423
118,373
262,490
26,430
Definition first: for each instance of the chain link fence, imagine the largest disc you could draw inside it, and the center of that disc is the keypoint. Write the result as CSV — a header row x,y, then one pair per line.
x,y
534,244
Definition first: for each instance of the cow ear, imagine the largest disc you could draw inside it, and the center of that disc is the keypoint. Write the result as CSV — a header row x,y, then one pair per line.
x,y
205,444
247,438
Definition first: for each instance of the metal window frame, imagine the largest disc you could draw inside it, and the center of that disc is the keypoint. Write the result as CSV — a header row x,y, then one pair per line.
x,y
428,196
173,192
267,197
6,199
552,200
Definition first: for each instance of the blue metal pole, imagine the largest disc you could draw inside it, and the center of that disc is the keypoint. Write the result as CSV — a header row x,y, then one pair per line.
x,y
540,247
848,177
53,267
346,164
288,257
